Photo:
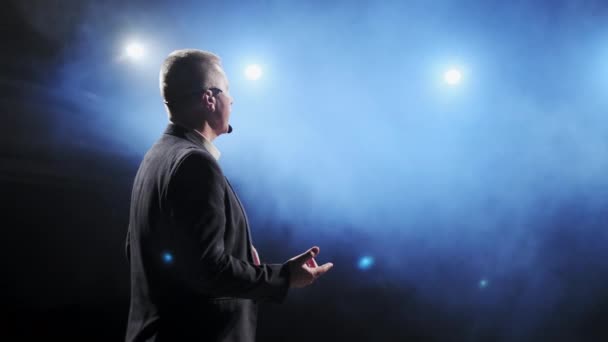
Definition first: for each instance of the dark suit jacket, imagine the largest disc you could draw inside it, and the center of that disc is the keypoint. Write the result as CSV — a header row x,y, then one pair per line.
x,y
189,246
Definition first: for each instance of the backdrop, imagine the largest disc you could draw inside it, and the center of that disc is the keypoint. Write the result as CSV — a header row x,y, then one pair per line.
x,y
448,157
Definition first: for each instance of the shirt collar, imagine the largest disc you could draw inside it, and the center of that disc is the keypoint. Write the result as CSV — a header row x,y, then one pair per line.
x,y
209,146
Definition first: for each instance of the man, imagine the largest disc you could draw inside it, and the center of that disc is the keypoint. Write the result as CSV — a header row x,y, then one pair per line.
x,y
195,276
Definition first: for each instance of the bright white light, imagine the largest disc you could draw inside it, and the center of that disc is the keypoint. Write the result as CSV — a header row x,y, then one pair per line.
x,y
134,50
253,72
452,76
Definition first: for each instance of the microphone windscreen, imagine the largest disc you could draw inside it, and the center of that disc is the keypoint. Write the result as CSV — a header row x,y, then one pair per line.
x,y
229,129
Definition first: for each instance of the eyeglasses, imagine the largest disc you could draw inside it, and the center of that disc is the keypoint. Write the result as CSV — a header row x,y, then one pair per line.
x,y
214,91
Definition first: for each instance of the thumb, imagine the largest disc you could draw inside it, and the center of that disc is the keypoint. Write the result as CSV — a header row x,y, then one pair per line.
x,y
309,254
319,271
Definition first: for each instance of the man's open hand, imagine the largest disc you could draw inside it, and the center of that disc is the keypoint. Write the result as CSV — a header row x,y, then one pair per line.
x,y
304,269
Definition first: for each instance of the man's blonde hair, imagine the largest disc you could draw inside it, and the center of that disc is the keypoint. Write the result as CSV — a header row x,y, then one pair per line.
x,y
184,72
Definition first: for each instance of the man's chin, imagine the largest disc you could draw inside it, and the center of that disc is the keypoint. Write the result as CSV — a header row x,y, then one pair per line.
x,y
223,130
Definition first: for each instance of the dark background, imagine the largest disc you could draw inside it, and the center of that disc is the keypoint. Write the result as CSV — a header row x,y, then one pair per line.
x,y
485,214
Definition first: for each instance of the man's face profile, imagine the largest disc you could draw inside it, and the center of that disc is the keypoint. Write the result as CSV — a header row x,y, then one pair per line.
x,y
222,102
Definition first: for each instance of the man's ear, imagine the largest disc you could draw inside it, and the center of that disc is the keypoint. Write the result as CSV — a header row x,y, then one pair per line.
x,y
208,100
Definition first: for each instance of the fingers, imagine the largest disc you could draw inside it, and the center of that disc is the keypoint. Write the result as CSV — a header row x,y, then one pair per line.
x,y
312,263
309,254
305,270
320,270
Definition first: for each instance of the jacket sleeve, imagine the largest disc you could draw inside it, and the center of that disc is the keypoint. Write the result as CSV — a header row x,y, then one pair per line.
x,y
196,200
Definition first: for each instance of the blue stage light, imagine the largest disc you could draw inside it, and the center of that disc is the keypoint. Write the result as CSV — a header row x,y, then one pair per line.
x,y
253,72
453,76
134,50
366,262
167,258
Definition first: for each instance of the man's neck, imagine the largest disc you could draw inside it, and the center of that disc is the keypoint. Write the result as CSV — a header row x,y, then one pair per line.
x,y
207,132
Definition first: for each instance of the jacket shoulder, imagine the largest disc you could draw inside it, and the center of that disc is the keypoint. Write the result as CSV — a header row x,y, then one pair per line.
x,y
178,149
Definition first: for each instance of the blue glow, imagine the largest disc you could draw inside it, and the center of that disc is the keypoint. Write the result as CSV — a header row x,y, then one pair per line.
x,y
356,143
134,50
366,263
167,258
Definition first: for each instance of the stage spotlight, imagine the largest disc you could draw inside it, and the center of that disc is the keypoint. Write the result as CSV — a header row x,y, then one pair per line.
x,y
134,50
366,263
167,258
253,72
452,76
483,283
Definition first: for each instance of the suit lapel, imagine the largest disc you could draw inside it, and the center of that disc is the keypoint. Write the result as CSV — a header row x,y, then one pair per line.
x,y
249,239
195,138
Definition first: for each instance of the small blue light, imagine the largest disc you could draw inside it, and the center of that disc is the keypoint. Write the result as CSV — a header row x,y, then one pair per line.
x,y
366,262
167,258
483,283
